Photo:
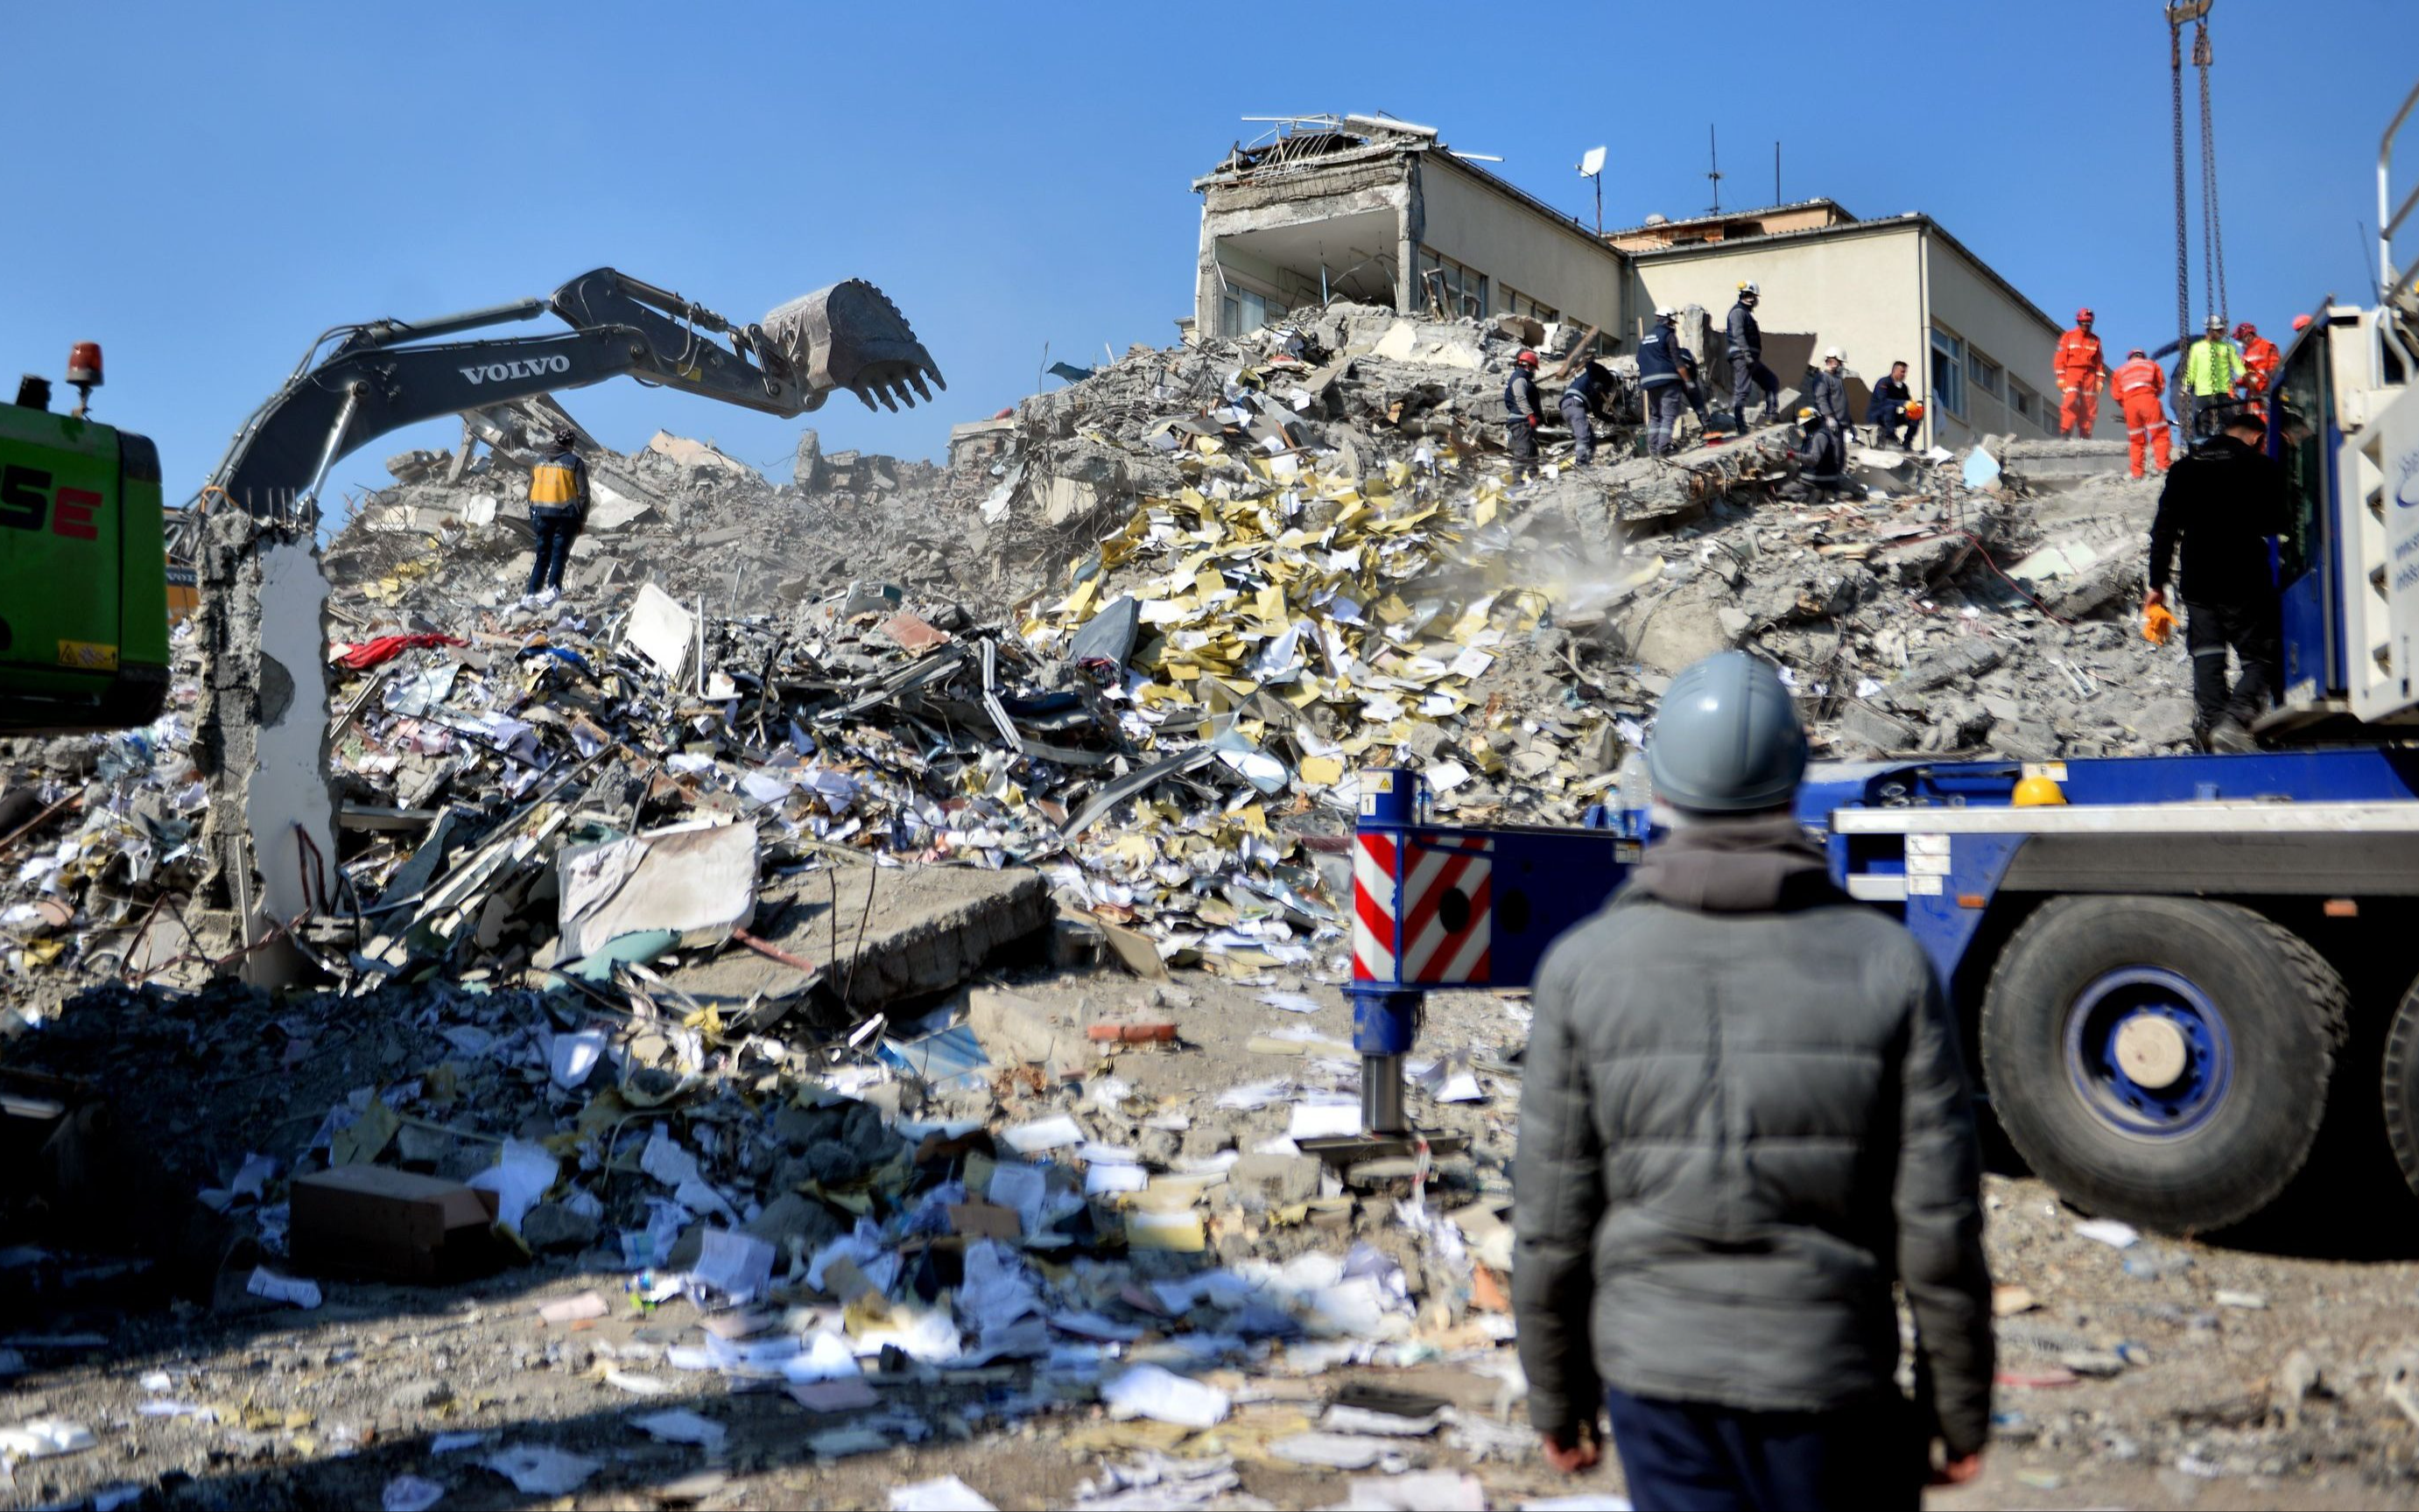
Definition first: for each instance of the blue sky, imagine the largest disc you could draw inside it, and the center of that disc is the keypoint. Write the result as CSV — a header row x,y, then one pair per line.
x,y
204,188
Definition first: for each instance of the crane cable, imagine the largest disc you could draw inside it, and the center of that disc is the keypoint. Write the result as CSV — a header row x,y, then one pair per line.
x,y
2177,14
2212,229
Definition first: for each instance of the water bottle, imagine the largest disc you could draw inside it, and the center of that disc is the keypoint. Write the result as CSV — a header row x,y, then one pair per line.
x,y
1636,794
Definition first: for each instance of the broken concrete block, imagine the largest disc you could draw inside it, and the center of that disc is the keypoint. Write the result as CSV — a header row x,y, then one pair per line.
x,y
1864,725
554,1225
1015,1030
697,880
1961,661
1278,1179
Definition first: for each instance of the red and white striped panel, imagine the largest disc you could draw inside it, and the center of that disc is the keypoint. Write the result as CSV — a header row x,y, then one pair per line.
x,y
1432,950
1373,908
1420,876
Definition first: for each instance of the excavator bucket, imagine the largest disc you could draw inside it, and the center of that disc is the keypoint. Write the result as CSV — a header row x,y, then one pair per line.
x,y
851,336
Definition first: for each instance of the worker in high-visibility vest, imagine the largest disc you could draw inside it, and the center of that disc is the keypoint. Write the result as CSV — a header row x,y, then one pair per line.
x,y
2080,369
2211,369
2137,386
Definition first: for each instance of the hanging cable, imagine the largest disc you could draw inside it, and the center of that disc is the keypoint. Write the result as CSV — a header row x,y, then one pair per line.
x,y
2203,55
2177,15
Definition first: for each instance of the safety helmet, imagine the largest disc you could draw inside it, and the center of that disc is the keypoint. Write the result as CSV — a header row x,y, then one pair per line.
x,y
2083,315
1727,739
1526,359
2135,352
565,437
1914,409
2037,792
1664,312
1806,415
2217,324
1748,287
2244,329
1834,354
2300,322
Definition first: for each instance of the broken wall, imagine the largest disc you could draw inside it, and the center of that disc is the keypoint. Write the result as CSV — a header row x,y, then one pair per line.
x,y
1551,260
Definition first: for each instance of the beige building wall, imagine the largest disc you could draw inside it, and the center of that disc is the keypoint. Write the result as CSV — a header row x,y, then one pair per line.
x,y
1554,263
1968,305
1859,290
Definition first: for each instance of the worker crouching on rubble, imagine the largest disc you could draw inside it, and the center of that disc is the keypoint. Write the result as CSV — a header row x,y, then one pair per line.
x,y
1745,1120
558,507
1822,460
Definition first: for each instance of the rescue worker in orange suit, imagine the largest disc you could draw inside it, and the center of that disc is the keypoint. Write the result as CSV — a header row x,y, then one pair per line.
x,y
2259,360
2080,371
2137,386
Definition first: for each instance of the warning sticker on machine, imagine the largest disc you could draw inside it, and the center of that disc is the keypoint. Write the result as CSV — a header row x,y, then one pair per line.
x,y
87,656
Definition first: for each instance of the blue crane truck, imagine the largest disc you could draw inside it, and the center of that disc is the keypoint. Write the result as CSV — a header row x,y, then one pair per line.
x,y
2168,978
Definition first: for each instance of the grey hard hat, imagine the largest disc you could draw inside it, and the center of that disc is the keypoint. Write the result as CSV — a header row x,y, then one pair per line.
x,y
1727,739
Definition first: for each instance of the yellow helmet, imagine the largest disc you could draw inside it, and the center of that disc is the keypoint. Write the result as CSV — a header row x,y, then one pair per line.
x,y
2038,791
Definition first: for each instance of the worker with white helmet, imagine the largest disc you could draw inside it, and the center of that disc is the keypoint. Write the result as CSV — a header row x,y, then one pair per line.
x,y
1661,364
1747,371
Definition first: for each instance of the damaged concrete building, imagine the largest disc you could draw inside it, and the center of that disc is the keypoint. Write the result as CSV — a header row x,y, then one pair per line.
x,y
1380,211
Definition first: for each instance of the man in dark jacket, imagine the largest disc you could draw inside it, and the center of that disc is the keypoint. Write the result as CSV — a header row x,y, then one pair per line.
x,y
1522,413
558,507
1822,460
1663,364
1747,371
1888,413
1590,392
1745,1118
2225,500
1827,390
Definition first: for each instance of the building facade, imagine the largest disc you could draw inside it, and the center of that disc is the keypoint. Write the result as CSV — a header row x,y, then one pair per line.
x,y
1379,211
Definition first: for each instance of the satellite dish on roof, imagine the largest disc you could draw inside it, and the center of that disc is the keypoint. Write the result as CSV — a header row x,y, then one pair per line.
x,y
1593,164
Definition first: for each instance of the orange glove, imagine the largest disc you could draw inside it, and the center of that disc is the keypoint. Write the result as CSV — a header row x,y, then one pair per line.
x,y
2158,624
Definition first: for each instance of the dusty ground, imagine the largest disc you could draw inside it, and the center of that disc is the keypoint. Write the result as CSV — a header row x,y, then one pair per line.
x,y
2199,1343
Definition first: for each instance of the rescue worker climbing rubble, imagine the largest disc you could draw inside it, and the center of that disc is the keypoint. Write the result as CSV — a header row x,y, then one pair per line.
x,y
1747,371
1745,1128
1662,363
558,508
1590,392
1522,413
2139,386
2080,369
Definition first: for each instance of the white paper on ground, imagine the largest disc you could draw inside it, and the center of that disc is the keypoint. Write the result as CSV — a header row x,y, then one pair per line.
x,y
1429,1491
737,1265
1324,1120
826,1357
411,1493
680,1426
1021,1189
947,1494
636,1384
1581,1502
574,1057
537,1471
1291,1002
1055,1133
292,1290
520,1177
1101,1179
36,1438
1149,1391
446,1443
2109,1233
1330,1451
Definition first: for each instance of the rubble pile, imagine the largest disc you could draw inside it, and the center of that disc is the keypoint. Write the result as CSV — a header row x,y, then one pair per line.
x,y
785,928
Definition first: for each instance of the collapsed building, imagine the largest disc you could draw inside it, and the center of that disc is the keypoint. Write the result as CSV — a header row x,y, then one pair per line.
x,y
1369,208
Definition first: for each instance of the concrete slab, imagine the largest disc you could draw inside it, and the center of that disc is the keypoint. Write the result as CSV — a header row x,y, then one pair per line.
x,y
880,933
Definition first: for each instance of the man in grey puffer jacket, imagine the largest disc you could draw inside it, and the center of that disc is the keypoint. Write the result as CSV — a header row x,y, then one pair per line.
x,y
1745,1118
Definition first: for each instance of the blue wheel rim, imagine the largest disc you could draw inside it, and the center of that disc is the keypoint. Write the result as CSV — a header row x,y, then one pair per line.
x,y
2102,1009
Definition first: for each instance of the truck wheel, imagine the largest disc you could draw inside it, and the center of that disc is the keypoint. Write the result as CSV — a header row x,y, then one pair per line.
x,y
2163,1061
2401,1077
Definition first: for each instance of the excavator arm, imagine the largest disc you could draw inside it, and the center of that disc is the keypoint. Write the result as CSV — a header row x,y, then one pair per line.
x,y
385,374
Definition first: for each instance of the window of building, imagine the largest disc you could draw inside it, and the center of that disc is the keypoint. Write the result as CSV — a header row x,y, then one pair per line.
x,y
1982,372
1948,373
2024,401
1242,310
1452,286
1510,300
